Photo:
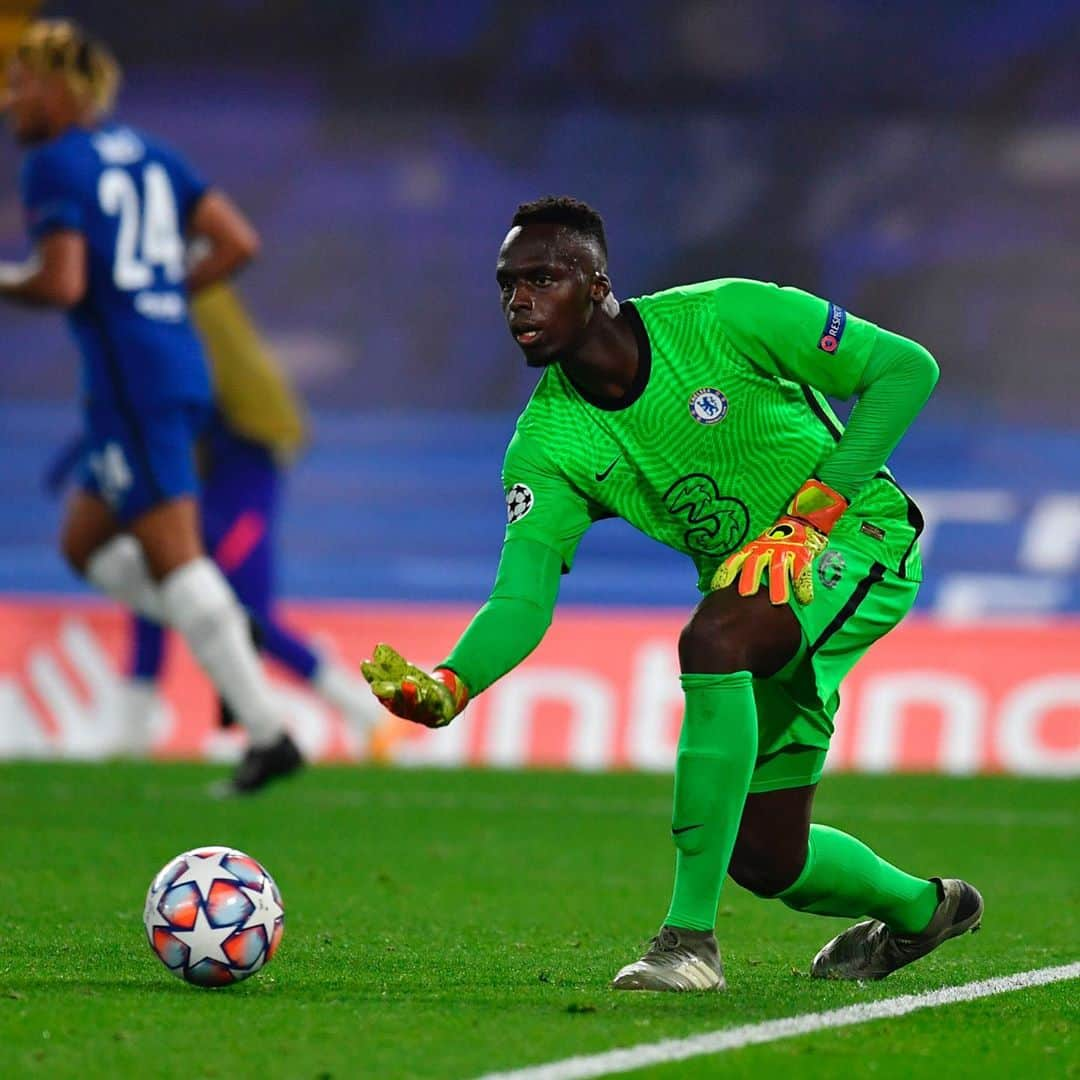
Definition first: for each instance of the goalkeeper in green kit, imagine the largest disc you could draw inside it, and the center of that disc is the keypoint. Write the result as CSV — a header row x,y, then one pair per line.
x,y
698,416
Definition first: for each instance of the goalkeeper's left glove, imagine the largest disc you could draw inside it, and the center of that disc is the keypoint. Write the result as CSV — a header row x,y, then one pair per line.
x,y
788,549
410,692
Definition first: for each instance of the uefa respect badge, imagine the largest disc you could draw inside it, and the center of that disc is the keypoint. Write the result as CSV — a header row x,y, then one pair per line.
x,y
835,321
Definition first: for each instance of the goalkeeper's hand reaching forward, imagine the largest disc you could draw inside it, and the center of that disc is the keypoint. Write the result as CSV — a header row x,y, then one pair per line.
x,y
788,549
410,692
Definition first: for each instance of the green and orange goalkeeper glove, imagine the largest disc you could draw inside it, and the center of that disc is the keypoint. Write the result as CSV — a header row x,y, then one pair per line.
x,y
410,692
787,550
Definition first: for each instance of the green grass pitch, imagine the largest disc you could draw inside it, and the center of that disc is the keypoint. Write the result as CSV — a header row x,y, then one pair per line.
x,y
448,924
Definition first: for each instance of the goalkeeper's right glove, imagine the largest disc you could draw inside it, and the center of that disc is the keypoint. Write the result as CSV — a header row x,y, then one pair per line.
x,y
786,552
410,692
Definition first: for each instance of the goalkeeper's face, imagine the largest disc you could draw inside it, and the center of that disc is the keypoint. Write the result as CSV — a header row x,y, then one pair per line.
x,y
549,288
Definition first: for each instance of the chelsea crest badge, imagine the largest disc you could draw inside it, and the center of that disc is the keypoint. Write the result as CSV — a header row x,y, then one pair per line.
x,y
708,405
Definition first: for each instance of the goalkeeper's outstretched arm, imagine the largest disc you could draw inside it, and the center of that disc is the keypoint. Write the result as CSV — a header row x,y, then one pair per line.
x,y
502,633
546,517
515,618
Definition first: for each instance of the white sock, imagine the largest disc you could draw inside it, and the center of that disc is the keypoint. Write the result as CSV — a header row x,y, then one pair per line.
x,y
118,569
200,604
348,692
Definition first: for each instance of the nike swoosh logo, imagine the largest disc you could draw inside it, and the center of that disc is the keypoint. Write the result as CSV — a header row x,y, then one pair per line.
x,y
687,828
602,476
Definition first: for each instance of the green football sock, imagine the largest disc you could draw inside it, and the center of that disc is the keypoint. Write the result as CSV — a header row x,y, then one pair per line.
x,y
717,748
843,876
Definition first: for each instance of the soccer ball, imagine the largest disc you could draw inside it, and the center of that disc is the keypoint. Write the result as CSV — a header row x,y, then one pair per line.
x,y
213,916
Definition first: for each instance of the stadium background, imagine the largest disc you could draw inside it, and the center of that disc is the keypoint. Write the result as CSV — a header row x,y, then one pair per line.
x,y
922,168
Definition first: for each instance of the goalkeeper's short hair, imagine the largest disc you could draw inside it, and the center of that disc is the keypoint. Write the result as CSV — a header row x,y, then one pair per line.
x,y
61,46
568,212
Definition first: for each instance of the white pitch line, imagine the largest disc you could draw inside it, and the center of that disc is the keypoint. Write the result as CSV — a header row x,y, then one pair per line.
x,y
716,1042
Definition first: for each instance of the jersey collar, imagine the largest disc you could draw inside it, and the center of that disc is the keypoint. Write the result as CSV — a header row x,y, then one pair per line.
x,y
644,368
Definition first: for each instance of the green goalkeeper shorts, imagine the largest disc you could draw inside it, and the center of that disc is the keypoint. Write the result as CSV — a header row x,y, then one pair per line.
x,y
856,601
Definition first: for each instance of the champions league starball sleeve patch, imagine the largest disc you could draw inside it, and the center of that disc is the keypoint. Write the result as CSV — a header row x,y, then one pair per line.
x,y
519,501
835,321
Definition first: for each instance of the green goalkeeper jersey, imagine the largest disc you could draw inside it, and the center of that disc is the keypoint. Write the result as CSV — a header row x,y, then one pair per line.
x,y
725,421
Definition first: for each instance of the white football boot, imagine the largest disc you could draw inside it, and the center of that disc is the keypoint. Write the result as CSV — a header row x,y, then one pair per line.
x,y
679,960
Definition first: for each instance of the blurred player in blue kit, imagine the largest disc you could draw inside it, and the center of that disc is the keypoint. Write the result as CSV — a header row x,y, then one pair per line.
x,y
255,429
110,211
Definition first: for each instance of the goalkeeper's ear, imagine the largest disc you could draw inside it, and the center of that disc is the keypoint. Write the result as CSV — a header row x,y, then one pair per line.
x,y
599,287
600,293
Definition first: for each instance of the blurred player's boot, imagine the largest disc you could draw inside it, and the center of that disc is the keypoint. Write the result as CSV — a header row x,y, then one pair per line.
x,y
261,764
226,717
870,950
677,960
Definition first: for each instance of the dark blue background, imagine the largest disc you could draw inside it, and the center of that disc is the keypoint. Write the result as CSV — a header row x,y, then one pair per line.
x,y
918,163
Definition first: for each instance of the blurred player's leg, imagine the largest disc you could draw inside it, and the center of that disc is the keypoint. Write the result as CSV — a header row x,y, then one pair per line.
x,y
143,466
160,570
239,503
112,561
351,695
200,605
332,680
140,700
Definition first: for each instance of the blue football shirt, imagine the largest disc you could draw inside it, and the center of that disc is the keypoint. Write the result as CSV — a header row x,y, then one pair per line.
x,y
131,197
